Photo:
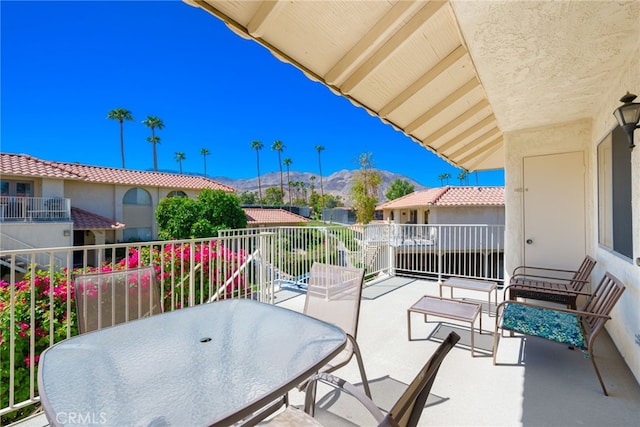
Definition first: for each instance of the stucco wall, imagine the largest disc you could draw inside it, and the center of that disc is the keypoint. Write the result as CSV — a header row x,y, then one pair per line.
x,y
624,328
492,215
585,135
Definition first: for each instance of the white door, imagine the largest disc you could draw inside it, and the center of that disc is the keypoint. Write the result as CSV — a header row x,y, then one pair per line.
x,y
554,210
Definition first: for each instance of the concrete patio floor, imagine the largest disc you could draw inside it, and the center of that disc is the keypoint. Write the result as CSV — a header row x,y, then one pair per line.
x,y
537,383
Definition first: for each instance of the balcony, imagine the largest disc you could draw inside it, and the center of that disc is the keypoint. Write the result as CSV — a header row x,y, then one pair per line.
x,y
538,382
34,209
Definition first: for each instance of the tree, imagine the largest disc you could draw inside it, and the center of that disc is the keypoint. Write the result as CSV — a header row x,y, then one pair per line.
x,y
319,148
154,140
444,176
184,218
273,196
154,123
120,114
279,147
248,198
287,161
463,176
257,145
365,189
180,156
399,188
205,153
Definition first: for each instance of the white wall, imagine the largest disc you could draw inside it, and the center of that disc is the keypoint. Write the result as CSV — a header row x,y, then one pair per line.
x,y
585,135
624,327
492,215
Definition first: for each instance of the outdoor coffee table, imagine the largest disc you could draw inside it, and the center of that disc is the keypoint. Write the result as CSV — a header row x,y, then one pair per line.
x,y
209,365
462,311
472,285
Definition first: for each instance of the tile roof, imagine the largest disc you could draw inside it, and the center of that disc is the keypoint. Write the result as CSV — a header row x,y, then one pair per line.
x,y
272,216
449,196
85,220
25,165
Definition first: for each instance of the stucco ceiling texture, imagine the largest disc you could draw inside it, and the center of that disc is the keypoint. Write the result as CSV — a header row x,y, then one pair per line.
x,y
544,62
452,75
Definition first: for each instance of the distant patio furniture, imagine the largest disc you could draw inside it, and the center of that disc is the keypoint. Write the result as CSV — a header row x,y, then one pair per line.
x,y
487,286
462,311
208,365
405,412
549,284
109,298
334,295
577,328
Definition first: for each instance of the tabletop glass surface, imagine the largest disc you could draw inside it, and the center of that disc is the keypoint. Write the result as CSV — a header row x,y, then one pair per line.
x,y
188,367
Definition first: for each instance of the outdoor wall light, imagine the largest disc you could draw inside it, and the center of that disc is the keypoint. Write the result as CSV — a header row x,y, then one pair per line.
x,y
628,115
66,233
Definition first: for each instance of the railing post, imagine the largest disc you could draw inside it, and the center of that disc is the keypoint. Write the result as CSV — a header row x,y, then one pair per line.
x,y
192,281
264,253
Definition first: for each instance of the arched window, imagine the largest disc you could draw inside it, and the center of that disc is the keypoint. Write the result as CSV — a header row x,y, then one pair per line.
x,y
137,215
137,196
177,193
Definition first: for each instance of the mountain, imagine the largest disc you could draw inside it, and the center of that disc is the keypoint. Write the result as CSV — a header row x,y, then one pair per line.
x,y
337,184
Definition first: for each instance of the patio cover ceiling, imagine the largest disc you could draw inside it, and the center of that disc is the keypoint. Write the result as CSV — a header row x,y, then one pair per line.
x,y
451,75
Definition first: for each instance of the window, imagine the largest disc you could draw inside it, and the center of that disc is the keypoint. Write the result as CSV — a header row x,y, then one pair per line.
x,y
176,193
137,196
614,193
138,234
16,188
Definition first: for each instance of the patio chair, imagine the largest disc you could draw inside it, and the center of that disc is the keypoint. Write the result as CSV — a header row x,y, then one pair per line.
x,y
577,328
549,284
334,295
405,412
108,298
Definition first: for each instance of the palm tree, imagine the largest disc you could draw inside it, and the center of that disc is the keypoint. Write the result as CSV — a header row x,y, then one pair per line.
x,y
257,145
179,158
120,114
319,148
279,147
154,140
462,176
205,153
287,162
153,123
446,176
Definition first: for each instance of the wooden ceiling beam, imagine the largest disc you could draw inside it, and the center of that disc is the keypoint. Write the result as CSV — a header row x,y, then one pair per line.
x,y
260,20
442,66
458,121
370,42
442,105
388,49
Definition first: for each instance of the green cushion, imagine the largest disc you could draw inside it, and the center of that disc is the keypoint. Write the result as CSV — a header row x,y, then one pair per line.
x,y
545,323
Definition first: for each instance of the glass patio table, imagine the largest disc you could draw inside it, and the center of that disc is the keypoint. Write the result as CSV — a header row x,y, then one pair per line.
x,y
213,364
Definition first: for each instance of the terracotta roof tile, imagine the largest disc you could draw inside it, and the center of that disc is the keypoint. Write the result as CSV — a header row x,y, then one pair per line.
x,y
24,165
472,196
272,216
449,196
84,220
417,198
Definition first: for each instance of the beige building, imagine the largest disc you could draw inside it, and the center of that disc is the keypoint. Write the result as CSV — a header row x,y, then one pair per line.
x,y
54,204
447,205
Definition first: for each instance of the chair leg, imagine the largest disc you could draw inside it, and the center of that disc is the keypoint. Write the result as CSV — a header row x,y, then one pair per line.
x,y
593,362
365,382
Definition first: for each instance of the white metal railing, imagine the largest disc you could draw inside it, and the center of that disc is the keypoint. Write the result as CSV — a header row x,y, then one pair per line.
x,y
18,208
38,310
12,244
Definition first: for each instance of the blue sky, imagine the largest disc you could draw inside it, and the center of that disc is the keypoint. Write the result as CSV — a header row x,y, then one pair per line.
x,y
66,64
